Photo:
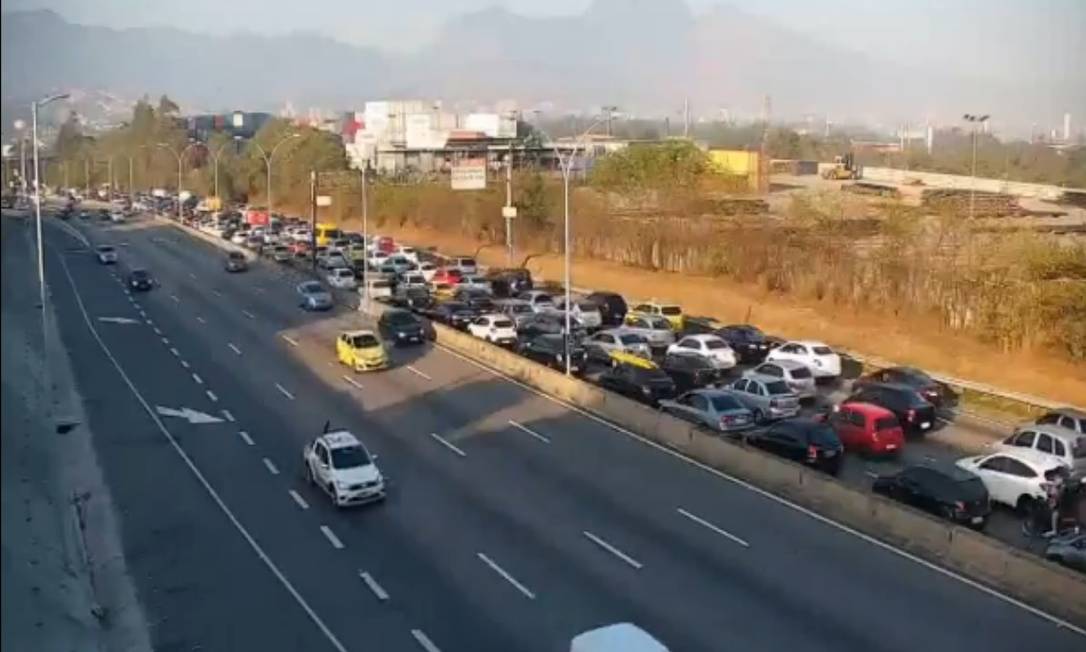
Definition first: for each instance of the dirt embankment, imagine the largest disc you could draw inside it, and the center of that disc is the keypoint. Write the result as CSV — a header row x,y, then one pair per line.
x,y
914,341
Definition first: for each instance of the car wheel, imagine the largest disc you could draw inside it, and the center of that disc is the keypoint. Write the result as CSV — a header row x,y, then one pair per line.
x,y
309,479
759,416
1024,506
332,494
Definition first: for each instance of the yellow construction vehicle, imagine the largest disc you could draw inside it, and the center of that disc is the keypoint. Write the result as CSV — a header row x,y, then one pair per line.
x,y
844,168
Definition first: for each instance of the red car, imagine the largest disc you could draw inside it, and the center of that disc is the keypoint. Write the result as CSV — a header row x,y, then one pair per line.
x,y
447,275
867,428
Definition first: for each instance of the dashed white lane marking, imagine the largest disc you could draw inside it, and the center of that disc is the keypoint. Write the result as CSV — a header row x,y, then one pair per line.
x,y
611,549
702,522
185,364
245,534
271,467
284,391
211,395
149,322
199,381
417,372
352,381
175,299
506,576
332,538
175,352
298,499
377,589
227,415
245,438
156,330
166,341
234,348
424,641
248,314
290,340
192,276
217,293
448,444
523,428
201,319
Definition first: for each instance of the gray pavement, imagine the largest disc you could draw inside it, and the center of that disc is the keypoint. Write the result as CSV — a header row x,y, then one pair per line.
x,y
493,538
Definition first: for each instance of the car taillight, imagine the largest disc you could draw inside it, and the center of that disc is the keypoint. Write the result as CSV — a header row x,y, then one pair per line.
x,y
726,421
812,453
959,506
910,415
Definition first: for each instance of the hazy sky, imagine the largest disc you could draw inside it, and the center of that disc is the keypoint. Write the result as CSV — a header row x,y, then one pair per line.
x,y
998,39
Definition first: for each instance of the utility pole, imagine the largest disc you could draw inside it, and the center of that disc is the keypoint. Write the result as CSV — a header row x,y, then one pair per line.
x,y
131,180
86,177
109,167
509,212
312,217
686,117
973,119
365,240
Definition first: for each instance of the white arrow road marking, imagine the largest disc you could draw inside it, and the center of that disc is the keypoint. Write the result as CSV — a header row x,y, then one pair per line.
x,y
190,415
118,320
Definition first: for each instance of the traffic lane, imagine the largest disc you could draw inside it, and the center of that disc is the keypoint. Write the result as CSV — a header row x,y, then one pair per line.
x,y
198,581
623,469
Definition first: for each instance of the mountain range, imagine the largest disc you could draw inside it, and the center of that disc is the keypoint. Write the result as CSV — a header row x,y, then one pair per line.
x,y
645,56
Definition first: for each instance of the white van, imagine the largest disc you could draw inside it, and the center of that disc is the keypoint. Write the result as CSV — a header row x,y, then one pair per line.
x,y
379,288
620,637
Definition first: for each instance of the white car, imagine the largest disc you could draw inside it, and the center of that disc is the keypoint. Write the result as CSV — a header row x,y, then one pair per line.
x,y
340,465
585,312
495,328
342,278
301,234
378,287
428,270
332,260
796,374
377,258
475,282
539,300
519,311
466,265
413,280
409,253
106,254
1015,477
239,237
116,216
712,348
1063,444
818,357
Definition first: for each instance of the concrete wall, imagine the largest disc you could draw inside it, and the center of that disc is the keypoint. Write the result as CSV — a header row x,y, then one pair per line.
x,y
935,180
1031,579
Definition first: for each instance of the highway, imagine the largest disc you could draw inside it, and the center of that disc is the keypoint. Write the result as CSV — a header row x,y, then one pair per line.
x,y
513,523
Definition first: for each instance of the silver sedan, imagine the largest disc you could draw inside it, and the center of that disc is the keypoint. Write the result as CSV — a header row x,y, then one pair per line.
x,y
715,409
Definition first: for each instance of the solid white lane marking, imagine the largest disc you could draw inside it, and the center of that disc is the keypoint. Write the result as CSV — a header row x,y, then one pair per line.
x,y
292,341
298,499
702,522
424,641
945,572
417,372
377,589
448,444
271,467
185,364
257,549
506,576
245,438
199,381
352,381
248,314
175,352
227,415
611,549
523,428
234,348
175,299
332,538
200,319
284,392
211,395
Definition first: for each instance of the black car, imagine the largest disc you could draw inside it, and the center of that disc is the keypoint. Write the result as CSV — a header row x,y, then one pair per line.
x,y
915,414
690,371
401,327
946,491
477,299
646,385
803,440
933,391
507,283
453,313
140,279
748,342
611,305
550,324
412,297
235,262
551,351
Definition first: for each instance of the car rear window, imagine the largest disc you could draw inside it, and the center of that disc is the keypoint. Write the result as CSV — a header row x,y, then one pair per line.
x,y
823,350
671,310
632,338
723,402
359,341
715,345
823,435
587,306
519,308
1078,448
886,423
380,284
503,323
800,373
105,248
467,262
778,387
971,489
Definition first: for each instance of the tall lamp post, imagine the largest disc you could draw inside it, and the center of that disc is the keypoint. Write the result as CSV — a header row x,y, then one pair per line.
x,y
268,158
37,195
180,156
974,120
566,165
215,161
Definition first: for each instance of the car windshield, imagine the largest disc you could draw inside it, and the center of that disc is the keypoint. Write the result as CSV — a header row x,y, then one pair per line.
x,y
671,311
140,274
467,262
311,288
724,402
364,341
519,309
658,324
587,306
1078,448
778,387
234,255
714,345
631,338
402,319
822,350
886,423
105,249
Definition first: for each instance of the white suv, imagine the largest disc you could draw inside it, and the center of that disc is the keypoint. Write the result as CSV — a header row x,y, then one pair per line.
x,y
498,329
1015,477
818,357
338,463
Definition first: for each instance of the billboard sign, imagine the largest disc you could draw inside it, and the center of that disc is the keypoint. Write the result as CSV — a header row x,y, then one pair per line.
x,y
469,175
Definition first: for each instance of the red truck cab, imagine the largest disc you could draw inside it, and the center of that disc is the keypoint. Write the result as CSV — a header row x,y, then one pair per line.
x,y
867,428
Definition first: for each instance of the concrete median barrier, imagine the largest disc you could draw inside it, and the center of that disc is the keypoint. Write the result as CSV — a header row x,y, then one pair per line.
x,y
1032,580
225,245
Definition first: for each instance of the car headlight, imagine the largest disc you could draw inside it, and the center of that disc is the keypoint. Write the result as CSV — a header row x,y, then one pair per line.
x,y
341,485
401,334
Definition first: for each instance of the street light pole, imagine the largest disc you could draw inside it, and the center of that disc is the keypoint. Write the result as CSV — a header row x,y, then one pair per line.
x,y
180,156
973,120
268,158
37,198
365,239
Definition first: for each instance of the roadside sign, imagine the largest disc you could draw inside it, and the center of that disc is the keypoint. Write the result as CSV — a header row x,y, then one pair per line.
x,y
323,201
469,175
509,212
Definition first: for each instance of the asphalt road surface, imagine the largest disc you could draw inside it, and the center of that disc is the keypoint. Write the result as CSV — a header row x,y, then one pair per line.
x,y
512,523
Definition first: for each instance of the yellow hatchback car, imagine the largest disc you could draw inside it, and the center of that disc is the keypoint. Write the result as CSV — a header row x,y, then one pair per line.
x,y
361,350
671,312
632,359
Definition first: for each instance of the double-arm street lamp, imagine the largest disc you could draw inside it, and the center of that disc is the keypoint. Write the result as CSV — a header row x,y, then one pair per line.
x,y
268,158
974,120
180,156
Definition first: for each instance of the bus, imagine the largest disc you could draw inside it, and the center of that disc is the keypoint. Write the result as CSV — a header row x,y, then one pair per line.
x,y
326,233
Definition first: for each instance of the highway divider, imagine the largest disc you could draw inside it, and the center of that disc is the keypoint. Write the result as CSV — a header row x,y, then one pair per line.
x,y
1031,580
